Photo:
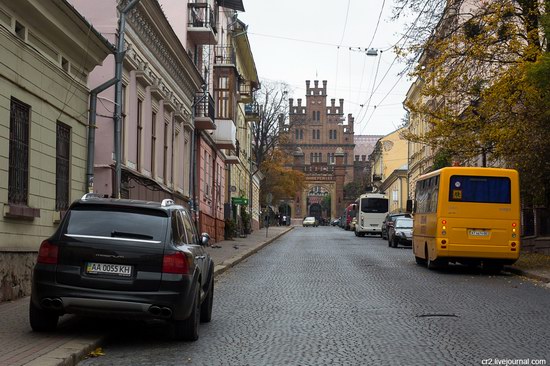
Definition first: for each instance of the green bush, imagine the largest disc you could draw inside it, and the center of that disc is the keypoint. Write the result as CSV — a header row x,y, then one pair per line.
x,y
230,227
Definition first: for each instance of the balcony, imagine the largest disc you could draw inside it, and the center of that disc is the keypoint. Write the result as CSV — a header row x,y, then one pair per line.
x,y
204,112
225,134
245,91
201,26
252,112
224,56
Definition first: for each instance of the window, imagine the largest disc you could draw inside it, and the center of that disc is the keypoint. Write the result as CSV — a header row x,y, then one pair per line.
x,y
223,98
153,142
139,133
301,134
297,134
318,134
192,236
165,153
18,179
480,189
374,205
318,116
207,173
62,166
313,115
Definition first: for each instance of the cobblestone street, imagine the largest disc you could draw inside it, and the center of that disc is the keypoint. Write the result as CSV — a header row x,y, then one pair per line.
x,y
321,296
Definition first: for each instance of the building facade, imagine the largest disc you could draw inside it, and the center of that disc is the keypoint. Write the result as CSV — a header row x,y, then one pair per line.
x,y
389,154
48,51
323,144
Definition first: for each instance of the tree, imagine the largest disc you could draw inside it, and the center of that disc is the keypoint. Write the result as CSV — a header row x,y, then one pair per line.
x,y
481,69
280,181
273,105
353,190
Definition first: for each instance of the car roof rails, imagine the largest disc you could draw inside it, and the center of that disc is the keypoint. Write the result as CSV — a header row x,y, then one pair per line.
x,y
167,202
88,196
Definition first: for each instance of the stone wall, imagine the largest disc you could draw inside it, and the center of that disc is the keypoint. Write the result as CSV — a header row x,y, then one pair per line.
x,y
15,274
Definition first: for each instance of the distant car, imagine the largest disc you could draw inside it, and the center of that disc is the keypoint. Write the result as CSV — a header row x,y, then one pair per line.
x,y
335,222
310,221
124,259
389,221
401,232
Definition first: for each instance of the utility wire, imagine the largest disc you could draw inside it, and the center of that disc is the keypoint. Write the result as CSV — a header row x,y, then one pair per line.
x,y
377,23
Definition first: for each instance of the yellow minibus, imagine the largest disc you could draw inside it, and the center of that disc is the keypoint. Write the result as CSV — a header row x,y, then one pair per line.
x,y
468,215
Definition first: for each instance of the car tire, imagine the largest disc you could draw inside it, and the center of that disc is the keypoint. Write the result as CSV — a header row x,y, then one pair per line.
x,y
206,307
42,320
188,329
420,261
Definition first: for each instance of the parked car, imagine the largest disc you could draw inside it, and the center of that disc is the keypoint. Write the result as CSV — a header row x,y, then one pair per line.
x,y
124,258
401,232
310,221
335,222
389,221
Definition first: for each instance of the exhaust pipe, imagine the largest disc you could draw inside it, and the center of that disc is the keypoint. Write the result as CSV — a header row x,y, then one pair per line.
x,y
57,304
166,312
155,310
46,303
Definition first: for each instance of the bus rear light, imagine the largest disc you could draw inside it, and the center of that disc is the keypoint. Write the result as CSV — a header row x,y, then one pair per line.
x,y
513,244
443,241
514,224
443,232
444,222
513,249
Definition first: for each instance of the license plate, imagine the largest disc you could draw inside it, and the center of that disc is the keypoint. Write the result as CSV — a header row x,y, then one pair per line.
x,y
109,268
478,233
373,224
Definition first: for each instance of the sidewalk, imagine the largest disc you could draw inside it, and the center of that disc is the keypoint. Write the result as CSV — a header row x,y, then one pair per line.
x,y
19,345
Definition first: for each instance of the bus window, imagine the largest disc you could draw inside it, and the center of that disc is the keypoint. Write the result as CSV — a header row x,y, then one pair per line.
x,y
480,189
374,205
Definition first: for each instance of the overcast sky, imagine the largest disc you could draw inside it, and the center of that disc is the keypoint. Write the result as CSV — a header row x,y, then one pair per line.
x,y
298,40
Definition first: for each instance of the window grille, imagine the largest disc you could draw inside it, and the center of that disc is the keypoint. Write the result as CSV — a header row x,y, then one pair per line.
x,y
62,166
18,180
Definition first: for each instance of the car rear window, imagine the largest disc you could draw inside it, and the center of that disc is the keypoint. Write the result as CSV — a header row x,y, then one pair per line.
x,y
117,221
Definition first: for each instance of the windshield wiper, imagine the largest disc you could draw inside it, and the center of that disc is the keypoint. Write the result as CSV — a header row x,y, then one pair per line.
x,y
121,234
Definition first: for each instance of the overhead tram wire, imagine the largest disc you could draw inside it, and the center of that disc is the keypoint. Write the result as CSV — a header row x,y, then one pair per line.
x,y
340,44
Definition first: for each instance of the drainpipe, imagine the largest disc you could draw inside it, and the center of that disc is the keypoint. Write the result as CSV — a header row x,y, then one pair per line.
x,y
119,57
91,133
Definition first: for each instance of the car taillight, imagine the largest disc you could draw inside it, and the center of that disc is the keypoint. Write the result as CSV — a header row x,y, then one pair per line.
x,y
47,254
175,263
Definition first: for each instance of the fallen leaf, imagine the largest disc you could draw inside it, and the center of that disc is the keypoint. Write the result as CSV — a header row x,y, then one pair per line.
x,y
97,352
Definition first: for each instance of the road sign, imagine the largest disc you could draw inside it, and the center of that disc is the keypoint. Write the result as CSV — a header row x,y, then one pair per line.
x,y
239,200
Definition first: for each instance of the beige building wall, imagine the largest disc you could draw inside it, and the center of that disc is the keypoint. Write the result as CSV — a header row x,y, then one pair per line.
x,y
396,188
44,72
389,154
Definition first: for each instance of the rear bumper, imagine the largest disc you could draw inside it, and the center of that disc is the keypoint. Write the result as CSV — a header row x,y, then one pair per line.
x,y
116,304
502,253
368,230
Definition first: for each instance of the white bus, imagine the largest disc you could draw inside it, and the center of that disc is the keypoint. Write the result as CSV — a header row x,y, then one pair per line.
x,y
372,208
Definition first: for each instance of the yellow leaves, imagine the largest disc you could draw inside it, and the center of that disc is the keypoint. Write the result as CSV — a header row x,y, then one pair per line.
x,y
97,352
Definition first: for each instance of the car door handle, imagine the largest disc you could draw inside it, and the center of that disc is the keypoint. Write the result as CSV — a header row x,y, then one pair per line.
x,y
200,257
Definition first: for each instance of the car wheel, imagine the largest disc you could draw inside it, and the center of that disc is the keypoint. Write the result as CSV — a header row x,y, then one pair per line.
x,y
420,261
395,243
42,320
188,329
206,307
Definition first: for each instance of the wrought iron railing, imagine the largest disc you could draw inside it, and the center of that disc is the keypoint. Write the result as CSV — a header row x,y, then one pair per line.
x,y
224,55
204,106
201,16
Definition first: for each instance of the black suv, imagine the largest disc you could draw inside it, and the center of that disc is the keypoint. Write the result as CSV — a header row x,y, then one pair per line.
x,y
390,220
127,259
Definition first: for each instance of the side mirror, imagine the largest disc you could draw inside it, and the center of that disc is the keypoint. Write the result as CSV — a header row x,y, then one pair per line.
x,y
205,239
